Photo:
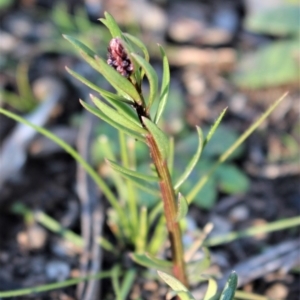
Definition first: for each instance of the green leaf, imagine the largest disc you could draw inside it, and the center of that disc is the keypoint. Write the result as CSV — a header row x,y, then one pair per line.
x,y
230,287
152,78
159,136
270,66
171,155
102,116
279,21
132,173
151,262
231,179
193,161
118,81
115,274
138,43
5,3
112,25
117,116
165,85
182,208
141,184
119,102
127,283
212,290
221,140
141,236
199,266
214,127
52,286
105,94
80,46
176,286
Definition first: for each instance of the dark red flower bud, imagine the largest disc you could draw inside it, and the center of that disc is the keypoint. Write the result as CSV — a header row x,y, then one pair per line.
x,y
118,58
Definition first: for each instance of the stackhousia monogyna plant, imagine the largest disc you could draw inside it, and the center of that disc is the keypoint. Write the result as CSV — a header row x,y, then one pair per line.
x,y
137,115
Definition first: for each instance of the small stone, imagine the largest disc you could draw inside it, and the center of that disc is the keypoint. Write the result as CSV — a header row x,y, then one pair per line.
x,y
239,213
34,238
57,270
277,291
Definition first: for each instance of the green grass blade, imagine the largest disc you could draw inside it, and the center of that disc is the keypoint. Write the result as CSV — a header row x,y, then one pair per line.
x,y
131,202
274,226
126,171
193,161
127,283
112,25
232,148
53,286
98,180
159,236
152,78
171,155
141,237
182,208
102,116
117,117
115,274
214,127
165,85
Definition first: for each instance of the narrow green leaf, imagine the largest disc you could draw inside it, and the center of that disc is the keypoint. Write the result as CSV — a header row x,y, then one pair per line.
x,y
251,231
204,179
118,81
79,45
214,127
52,286
230,287
165,85
176,286
182,208
138,43
151,262
212,289
159,235
112,25
141,184
94,175
115,274
105,94
123,108
116,116
171,155
152,78
201,265
193,161
127,283
103,117
119,102
132,173
159,136
141,236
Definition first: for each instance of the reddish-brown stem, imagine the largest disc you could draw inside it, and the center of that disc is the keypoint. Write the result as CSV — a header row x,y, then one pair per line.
x,y
170,210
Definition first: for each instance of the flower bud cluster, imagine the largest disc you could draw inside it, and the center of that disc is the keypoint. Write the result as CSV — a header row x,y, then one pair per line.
x,y
118,58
